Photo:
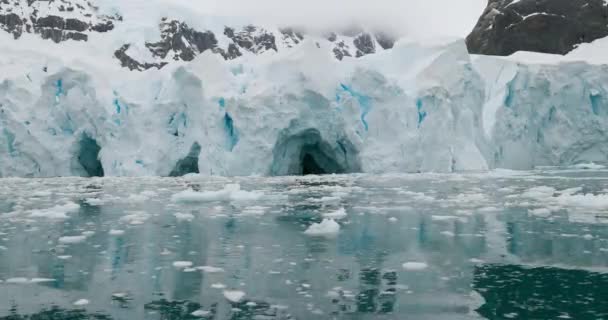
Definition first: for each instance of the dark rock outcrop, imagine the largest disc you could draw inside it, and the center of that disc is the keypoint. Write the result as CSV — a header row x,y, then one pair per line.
x,y
183,42
17,18
547,26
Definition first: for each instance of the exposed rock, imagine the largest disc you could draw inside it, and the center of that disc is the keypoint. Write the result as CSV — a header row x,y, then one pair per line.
x,y
18,17
547,26
127,62
182,41
252,39
364,44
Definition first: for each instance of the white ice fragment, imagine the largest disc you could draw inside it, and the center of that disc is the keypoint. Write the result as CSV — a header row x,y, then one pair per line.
x,y
72,239
182,264
56,212
540,212
443,218
200,313
327,227
17,280
231,192
93,201
234,295
115,232
81,302
218,286
336,215
184,216
210,269
588,237
415,266
42,280
393,219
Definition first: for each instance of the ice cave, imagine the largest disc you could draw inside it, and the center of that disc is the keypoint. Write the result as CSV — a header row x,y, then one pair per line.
x,y
306,153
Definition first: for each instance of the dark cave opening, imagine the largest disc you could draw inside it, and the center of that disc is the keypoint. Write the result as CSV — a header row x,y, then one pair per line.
x,y
88,156
188,164
310,166
307,153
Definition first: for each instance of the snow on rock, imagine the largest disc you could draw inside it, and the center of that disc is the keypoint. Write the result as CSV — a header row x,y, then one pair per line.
x,y
327,227
234,296
231,192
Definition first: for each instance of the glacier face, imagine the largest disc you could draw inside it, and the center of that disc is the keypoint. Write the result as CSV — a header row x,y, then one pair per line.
x,y
419,107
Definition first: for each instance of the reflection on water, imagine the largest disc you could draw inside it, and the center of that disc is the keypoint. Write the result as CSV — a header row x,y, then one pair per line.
x,y
541,293
410,247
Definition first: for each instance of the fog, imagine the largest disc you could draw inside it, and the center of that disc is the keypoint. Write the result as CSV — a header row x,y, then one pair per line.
x,y
418,18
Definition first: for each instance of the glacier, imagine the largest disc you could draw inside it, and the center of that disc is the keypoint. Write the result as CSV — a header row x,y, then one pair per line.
x,y
419,107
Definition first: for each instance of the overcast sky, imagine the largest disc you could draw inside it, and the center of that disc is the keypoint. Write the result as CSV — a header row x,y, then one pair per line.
x,y
415,17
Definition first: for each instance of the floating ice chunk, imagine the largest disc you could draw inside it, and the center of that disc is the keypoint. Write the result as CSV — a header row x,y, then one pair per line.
x,y
66,257
476,261
540,212
588,237
393,219
218,286
469,198
588,166
234,295
210,269
200,313
182,264
337,215
255,211
137,198
94,201
136,218
42,280
115,232
119,295
587,201
415,266
184,216
56,212
327,200
443,218
447,233
231,192
541,192
17,280
81,302
327,227
88,233
72,239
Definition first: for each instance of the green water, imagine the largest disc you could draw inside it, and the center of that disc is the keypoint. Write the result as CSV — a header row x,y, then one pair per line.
x,y
410,247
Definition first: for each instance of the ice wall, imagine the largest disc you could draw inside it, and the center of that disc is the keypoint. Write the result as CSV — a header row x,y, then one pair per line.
x,y
416,108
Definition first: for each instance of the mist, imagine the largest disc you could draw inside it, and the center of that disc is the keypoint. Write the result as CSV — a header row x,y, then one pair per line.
x,y
415,18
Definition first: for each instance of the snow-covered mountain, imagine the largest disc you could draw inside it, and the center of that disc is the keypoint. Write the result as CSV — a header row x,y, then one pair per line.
x,y
56,20
171,92
549,26
62,20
